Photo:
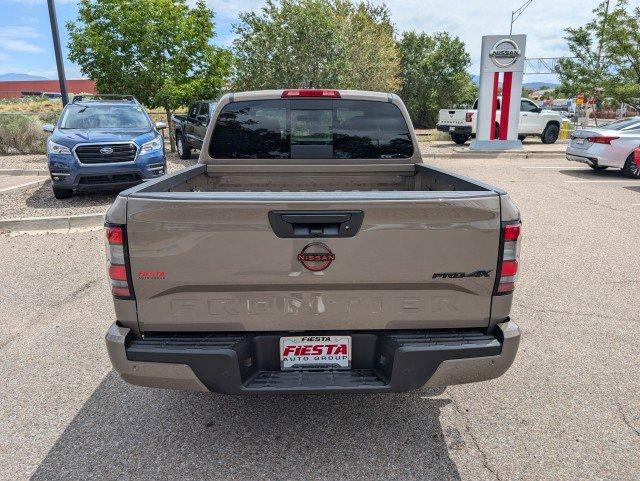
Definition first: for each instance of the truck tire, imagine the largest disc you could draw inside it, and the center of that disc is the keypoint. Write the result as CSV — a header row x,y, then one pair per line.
x,y
550,134
60,193
460,138
184,151
630,169
521,137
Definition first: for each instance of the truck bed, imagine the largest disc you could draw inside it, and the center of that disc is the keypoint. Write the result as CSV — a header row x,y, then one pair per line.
x,y
328,179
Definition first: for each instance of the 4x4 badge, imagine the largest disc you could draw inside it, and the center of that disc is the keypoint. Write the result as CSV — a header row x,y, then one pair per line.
x,y
316,256
460,275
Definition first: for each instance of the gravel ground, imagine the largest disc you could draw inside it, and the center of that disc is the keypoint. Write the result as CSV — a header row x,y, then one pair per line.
x,y
40,202
568,409
30,161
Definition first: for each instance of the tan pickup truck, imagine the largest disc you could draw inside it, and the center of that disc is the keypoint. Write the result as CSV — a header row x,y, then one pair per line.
x,y
311,250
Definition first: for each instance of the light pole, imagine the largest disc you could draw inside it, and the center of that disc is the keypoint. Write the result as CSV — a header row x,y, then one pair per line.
x,y
56,47
516,13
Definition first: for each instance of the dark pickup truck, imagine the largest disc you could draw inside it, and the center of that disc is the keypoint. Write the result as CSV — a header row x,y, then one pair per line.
x,y
189,130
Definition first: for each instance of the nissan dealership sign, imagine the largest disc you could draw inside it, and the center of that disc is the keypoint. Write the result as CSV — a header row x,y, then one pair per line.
x,y
505,53
501,71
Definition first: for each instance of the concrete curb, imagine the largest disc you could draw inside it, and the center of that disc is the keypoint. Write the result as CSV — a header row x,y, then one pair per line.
x,y
62,223
495,155
24,172
33,183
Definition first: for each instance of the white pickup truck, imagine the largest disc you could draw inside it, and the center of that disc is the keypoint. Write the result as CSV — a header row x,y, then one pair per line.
x,y
461,123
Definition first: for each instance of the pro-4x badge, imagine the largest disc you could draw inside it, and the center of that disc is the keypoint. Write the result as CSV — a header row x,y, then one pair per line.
x,y
460,275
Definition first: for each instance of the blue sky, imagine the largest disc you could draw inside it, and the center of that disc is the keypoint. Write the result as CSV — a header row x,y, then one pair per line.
x,y
26,46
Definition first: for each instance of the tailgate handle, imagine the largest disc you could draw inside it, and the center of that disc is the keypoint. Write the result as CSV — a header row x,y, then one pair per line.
x,y
314,224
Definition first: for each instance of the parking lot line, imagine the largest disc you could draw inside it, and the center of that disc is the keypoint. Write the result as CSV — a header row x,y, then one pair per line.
x,y
552,167
11,187
605,181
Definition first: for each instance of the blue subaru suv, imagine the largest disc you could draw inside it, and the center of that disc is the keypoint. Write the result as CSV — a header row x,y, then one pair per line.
x,y
103,142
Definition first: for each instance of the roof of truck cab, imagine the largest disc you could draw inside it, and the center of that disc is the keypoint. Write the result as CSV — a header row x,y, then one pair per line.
x,y
344,94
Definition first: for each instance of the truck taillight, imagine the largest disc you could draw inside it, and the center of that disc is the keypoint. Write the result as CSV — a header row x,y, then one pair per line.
x,y
117,260
468,117
636,156
326,93
508,266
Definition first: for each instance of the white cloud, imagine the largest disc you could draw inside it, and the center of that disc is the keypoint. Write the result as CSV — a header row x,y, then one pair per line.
x,y
12,39
18,32
20,46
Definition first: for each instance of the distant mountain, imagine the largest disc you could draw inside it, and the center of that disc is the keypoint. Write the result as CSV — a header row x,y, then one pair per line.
x,y
20,76
540,85
526,85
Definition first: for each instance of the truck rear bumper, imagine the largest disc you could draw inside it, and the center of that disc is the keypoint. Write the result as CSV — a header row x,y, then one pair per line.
x,y
455,129
392,361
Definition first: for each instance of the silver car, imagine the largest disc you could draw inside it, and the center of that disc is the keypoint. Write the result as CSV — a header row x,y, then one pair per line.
x,y
611,145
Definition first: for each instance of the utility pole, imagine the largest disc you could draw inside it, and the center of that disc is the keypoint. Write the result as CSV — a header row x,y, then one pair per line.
x,y
516,13
58,51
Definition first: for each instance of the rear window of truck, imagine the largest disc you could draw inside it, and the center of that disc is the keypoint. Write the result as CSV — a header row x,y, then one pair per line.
x,y
330,129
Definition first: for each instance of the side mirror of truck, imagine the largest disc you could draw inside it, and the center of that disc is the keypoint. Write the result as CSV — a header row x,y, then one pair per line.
x,y
48,128
161,125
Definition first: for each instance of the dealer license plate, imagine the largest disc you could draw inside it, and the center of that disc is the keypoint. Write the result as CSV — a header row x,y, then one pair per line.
x,y
452,128
315,352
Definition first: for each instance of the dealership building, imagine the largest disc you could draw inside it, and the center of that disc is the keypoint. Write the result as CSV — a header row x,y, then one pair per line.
x,y
12,89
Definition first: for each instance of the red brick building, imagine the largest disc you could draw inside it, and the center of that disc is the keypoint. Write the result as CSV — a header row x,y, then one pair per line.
x,y
12,89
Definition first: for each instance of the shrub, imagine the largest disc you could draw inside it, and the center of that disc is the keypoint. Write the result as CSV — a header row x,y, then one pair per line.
x,y
22,134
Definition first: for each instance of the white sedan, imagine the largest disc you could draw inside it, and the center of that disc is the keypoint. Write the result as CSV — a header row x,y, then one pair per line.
x,y
611,145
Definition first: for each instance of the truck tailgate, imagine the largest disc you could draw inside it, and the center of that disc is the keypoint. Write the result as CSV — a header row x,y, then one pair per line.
x,y
453,117
211,262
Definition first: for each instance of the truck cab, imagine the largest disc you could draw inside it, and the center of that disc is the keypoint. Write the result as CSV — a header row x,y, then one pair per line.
x,y
189,131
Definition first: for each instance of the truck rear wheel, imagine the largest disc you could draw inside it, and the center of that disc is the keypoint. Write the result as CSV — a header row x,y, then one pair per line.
x,y
184,151
460,138
550,134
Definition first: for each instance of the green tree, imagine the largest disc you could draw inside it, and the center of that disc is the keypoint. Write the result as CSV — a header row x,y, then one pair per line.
x,y
434,75
157,50
319,43
605,55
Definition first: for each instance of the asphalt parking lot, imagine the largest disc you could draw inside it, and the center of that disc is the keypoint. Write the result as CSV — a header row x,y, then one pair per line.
x,y
567,409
